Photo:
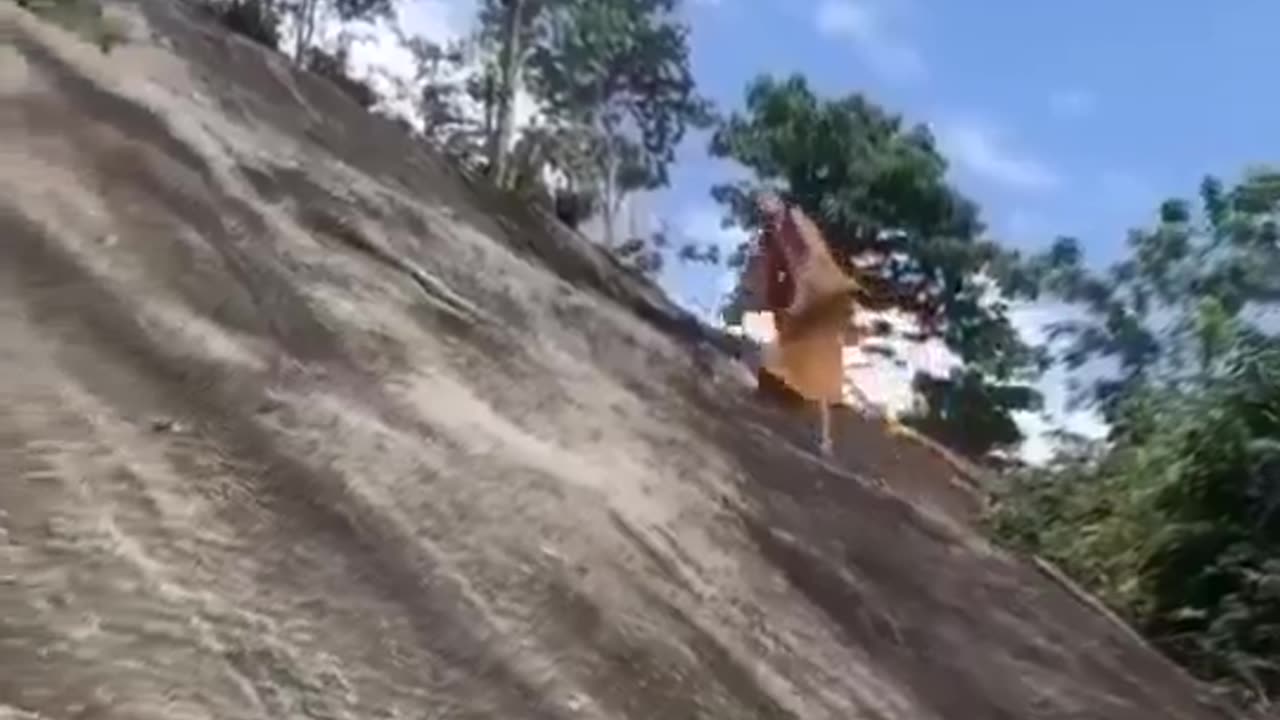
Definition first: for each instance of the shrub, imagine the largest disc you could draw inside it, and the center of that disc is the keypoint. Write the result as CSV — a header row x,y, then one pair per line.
x,y
1176,524
254,19
334,66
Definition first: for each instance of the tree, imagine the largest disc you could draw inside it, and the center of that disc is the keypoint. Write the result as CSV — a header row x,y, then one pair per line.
x,y
335,66
305,17
508,29
258,20
261,20
969,414
615,96
439,92
878,191
617,72
1174,520
502,126
1165,313
645,254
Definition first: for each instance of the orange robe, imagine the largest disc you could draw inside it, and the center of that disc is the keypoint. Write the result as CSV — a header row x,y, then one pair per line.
x,y
794,276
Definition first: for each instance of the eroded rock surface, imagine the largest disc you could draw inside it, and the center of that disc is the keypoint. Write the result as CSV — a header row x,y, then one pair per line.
x,y
295,421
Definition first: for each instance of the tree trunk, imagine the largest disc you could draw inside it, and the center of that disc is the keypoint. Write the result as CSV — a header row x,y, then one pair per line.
x,y
609,203
508,70
307,10
608,208
490,103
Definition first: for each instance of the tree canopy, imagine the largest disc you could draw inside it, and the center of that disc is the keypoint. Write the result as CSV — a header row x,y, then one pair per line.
x,y
305,16
1174,519
617,71
878,190
1167,312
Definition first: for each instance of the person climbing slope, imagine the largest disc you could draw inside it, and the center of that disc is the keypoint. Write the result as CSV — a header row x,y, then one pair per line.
x,y
793,275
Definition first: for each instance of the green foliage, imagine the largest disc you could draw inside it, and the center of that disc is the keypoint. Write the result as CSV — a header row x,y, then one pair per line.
x,y
502,80
305,16
258,20
644,254
439,101
1165,312
573,208
262,20
441,88
351,10
617,73
878,191
970,414
615,96
1176,525
335,67
649,253
621,67
1174,519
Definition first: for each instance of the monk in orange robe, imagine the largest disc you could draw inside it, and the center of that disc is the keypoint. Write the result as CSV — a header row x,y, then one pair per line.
x,y
793,275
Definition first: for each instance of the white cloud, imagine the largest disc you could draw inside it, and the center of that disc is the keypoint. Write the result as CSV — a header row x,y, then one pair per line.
x,y
1072,103
984,150
867,25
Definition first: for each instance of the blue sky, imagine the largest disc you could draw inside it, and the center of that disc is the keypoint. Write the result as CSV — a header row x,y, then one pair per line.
x,y
1059,118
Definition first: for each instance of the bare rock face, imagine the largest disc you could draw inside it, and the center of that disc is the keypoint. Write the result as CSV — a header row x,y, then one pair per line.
x,y
297,421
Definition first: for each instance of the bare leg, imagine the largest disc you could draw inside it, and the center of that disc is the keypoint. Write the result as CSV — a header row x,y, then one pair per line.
x,y
824,421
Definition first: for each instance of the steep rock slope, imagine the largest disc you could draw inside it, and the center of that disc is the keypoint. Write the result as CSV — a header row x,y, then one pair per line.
x,y
295,422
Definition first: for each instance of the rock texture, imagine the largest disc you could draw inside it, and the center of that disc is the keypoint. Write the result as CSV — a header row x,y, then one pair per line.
x,y
298,422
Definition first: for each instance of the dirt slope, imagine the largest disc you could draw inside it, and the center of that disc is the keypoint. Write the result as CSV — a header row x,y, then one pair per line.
x,y
294,422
